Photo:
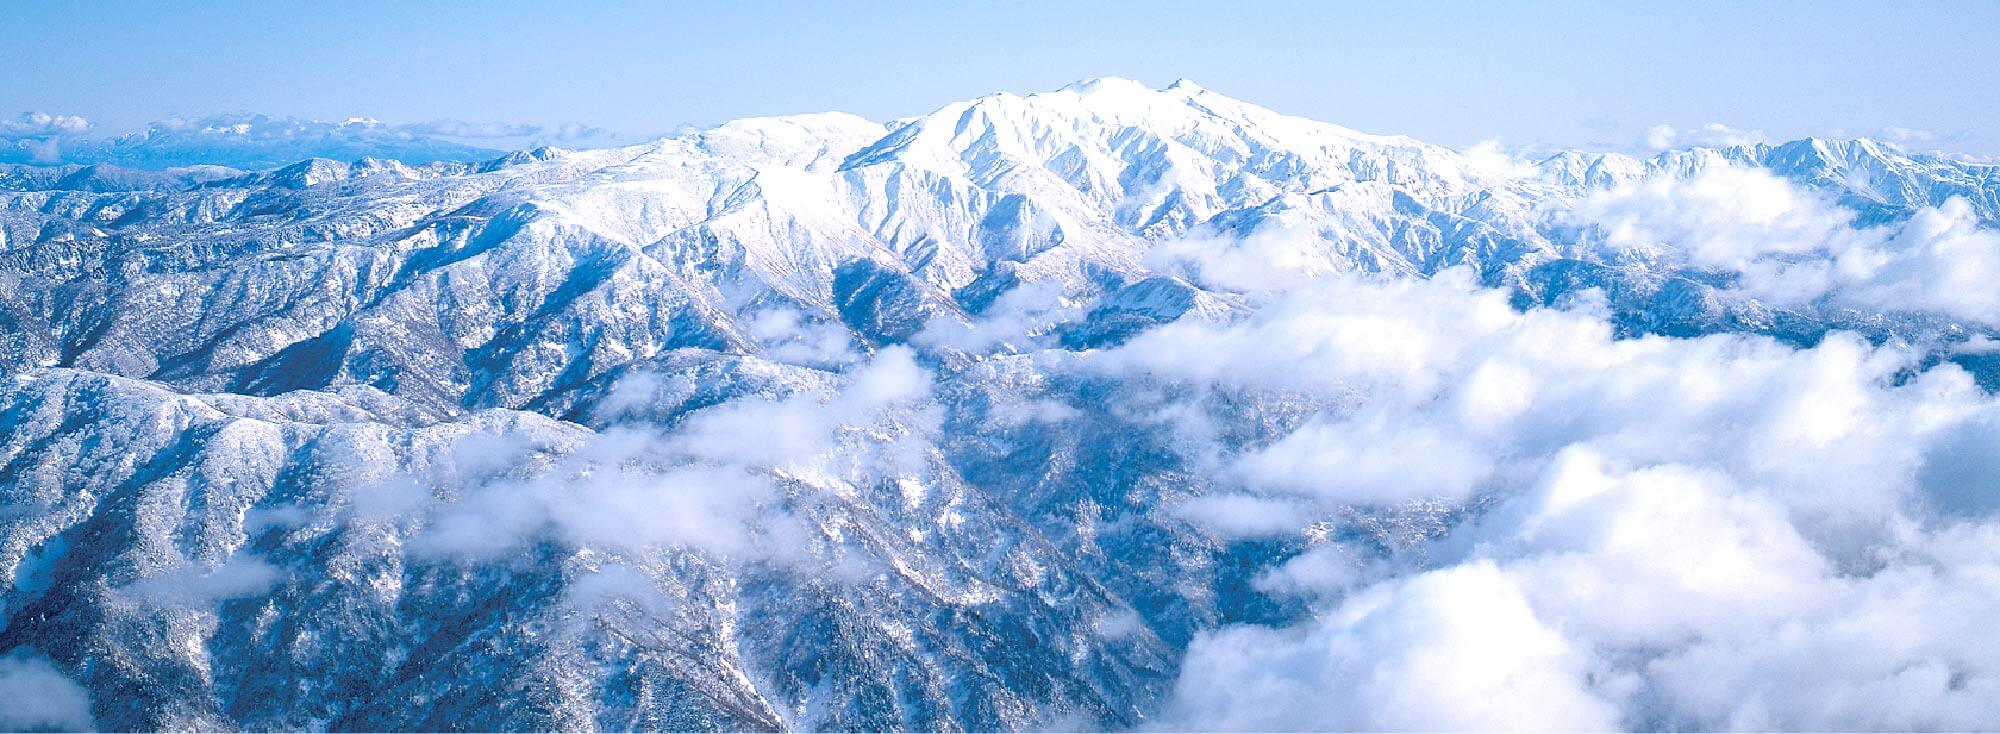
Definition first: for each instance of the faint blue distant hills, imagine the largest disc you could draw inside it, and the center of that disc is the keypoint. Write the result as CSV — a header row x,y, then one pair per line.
x,y
256,142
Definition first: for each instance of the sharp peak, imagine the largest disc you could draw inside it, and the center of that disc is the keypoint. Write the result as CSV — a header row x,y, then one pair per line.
x,y
1123,84
1111,90
1104,83
1100,90
1841,143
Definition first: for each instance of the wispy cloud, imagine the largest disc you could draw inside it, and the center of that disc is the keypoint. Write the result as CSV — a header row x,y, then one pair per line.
x,y
1711,135
39,697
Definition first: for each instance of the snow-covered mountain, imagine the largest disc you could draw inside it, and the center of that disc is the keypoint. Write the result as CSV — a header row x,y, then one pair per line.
x,y
815,422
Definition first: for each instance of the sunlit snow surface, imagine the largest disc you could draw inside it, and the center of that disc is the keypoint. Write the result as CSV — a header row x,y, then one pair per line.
x,y
1102,408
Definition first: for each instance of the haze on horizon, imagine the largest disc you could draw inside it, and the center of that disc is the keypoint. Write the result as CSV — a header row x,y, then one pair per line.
x,y
1568,74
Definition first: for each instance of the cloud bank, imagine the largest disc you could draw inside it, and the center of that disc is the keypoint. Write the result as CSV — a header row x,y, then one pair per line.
x,y
1790,246
38,697
1722,532
711,483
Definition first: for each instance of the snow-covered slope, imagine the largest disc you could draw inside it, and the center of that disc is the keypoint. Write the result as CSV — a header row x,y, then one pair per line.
x,y
791,423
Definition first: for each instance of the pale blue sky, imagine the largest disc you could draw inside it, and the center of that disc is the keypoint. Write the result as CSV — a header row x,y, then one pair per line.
x,y
1570,73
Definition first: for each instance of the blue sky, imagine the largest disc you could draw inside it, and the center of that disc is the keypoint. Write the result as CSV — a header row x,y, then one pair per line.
x,y
1588,74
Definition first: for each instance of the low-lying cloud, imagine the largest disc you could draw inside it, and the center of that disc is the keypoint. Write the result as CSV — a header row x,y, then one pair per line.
x,y
38,697
711,483
1723,532
1794,247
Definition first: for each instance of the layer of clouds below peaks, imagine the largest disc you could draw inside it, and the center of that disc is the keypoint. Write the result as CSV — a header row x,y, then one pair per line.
x,y
1710,533
1792,247
709,484
713,484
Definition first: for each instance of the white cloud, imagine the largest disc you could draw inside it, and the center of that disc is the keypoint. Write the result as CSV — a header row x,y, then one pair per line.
x,y
41,134
1942,261
42,151
190,585
1711,135
1022,312
1667,532
1660,137
787,336
42,123
1792,246
1242,515
1724,217
1908,647
1652,557
616,585
1451,650
708,484
1491,161
1325,570
38,697
1374,458
1430,387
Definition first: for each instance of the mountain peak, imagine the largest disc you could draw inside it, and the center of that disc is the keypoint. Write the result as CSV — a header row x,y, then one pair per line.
x,y
1102,84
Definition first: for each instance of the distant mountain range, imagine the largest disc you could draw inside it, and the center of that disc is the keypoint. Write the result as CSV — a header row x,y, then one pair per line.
x,y
259,142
